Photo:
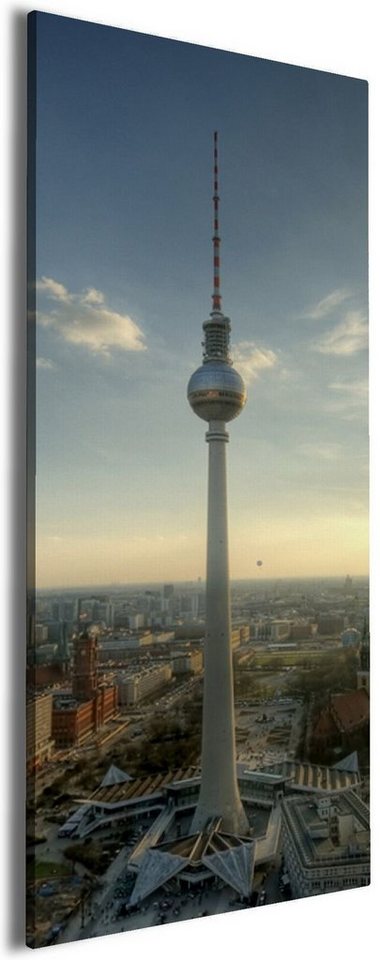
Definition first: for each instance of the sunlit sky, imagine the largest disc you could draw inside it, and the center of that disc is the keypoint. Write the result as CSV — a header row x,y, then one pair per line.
x,y
124,224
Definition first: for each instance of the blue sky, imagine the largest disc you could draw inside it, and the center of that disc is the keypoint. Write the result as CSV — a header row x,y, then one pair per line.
x,y
124,225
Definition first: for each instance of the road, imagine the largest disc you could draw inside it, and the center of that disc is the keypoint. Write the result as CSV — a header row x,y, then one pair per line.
x,y
181,906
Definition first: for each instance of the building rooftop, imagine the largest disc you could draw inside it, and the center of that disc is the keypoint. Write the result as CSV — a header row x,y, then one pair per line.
x,y
349,764
350,710
311,776
343,834
114,775
119,792
228,857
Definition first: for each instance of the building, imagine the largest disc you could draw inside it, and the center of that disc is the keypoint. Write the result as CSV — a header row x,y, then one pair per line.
x,y
163,636
260,630
119,648
187,662
239,635
43,675
348,586
159,793
39,736
326,843
331,626
46,653
168,591
73,722
136,621
349,711
79,714
195,605
84,669
303,631
135,687
63,646
41,633
345,714
103,611
364,660
190,631
280,630
217,394
350,637
313,778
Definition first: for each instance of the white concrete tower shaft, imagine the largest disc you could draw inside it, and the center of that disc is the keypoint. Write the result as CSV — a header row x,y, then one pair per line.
x,y
219,794
217,394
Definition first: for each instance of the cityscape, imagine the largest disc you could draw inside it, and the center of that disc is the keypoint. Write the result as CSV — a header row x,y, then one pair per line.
x,y
114,736
197,730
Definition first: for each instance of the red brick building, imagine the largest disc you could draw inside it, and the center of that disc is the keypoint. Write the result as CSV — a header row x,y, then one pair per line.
x,y
85,664
346,713
77,717
74,722
45,675
350,711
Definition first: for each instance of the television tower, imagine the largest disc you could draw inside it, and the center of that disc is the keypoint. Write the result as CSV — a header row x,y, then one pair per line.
x,y
217,394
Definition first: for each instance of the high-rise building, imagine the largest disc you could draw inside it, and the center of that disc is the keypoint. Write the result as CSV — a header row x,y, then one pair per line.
x,y
348,585
84,672
63,646
168,591
217,394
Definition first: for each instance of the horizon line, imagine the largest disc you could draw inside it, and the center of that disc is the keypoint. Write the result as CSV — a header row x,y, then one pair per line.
x,y
202,582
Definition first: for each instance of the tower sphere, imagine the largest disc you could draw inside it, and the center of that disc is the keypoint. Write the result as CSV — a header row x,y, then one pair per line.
x,y
216,391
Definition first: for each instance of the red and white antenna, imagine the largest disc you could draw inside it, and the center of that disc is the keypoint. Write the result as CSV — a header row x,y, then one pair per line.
x,y
216,296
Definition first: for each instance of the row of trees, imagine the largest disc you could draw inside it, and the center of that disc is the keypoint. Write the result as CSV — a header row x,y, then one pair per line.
x,y
335,672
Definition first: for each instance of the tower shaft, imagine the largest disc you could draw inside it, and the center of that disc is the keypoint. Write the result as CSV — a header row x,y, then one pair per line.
x,y
219,794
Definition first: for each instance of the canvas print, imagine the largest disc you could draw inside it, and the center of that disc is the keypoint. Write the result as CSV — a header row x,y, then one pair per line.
x,y
198,600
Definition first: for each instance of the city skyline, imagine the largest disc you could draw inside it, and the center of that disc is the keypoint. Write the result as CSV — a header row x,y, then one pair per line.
x,y
124,271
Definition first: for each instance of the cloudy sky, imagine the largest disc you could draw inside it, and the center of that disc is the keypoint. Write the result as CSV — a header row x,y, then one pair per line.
x,y
124,223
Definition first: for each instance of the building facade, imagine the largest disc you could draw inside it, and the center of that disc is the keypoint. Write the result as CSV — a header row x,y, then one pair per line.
x,y
73,722
84,682
39,731
143,683
187,662
326,843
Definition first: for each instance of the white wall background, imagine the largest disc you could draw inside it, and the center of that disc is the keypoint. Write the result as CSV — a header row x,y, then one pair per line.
x,y
335,35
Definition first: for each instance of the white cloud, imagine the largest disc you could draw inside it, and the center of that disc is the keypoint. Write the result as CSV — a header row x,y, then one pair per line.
x,y
346,338
43,363
84,320
250,359
93,296
54,289
325,306
348,399
352,391
322,451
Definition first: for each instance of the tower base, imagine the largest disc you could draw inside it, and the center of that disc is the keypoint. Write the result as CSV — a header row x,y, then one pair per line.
x,y
233,817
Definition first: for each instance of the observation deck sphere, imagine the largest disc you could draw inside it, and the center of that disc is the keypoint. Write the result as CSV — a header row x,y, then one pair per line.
x,y
216,392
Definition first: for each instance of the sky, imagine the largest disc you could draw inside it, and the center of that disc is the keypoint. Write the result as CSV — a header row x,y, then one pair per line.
x,y
125,127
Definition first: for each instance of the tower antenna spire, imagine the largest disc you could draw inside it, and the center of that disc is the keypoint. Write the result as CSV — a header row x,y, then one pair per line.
x,y
216,296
